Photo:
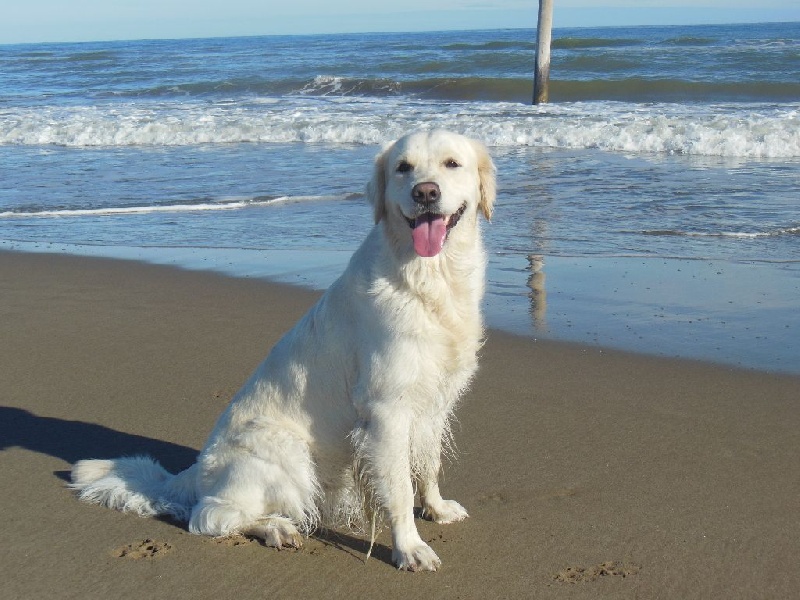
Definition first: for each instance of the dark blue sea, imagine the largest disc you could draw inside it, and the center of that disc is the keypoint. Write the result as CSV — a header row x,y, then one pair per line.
x,y
652,205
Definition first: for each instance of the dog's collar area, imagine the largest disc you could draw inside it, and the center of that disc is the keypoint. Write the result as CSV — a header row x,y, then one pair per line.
x,y
452,220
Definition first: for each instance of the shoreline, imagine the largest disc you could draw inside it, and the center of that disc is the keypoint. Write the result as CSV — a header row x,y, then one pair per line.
x,y
586,472
725,313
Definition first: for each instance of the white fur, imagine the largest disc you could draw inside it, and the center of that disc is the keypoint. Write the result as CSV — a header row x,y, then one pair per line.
x,y
348,415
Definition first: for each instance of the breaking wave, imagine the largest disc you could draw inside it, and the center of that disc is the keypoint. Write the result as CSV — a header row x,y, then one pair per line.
x,y
758,131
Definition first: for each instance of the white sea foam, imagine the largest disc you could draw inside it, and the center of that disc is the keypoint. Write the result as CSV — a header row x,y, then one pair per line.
x,y
748,131
745,235
752,235
163,209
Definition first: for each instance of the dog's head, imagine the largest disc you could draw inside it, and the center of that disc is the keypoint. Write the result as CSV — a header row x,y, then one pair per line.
x,y
427,185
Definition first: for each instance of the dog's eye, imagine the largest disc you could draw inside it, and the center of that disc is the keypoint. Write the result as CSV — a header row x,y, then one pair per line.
x,y
404,167
451,164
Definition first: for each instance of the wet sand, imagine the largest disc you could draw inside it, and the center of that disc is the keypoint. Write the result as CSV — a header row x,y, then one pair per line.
x,y
587,473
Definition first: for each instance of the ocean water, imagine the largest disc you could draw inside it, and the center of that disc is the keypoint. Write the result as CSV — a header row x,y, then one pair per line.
x,y
653,205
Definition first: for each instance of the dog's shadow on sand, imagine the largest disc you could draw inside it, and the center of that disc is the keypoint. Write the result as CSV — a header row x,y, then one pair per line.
x,y
354,546
72,441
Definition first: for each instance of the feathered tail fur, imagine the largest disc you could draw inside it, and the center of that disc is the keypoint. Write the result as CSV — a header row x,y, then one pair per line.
x,y
137,484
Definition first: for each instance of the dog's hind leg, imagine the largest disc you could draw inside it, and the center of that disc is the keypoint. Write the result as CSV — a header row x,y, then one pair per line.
x,y
220,517
271,495
276,532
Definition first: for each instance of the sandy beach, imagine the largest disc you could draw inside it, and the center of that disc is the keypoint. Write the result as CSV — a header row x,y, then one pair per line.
x,y
587,473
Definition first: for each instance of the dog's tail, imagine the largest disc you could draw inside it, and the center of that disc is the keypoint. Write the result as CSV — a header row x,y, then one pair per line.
x,y
138,484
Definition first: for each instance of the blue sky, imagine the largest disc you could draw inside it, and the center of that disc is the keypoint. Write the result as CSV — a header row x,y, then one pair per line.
x,y
87,20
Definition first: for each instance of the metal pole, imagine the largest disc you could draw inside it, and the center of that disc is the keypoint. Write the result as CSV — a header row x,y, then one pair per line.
x,y
541,82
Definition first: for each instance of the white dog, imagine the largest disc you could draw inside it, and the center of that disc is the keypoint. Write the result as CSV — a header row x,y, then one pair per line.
x,y
349,413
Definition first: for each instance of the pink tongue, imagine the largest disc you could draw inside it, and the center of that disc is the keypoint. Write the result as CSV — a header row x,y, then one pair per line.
x,y
429,233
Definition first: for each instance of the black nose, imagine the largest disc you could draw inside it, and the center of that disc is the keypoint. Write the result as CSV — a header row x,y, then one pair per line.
x,y
426,193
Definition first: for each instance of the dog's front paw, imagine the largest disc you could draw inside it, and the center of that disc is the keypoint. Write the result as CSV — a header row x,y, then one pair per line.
x,y
417,558
445,511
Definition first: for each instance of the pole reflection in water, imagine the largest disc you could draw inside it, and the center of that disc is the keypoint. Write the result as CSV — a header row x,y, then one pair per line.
x,y
538,293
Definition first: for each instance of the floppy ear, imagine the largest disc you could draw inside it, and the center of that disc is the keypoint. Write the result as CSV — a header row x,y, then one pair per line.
x,y
376,188
486,174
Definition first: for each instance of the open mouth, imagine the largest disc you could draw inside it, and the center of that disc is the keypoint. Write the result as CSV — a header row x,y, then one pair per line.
x,y
429,230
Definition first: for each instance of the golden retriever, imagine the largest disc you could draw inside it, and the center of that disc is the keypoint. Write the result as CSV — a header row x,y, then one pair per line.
x,y
348,415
